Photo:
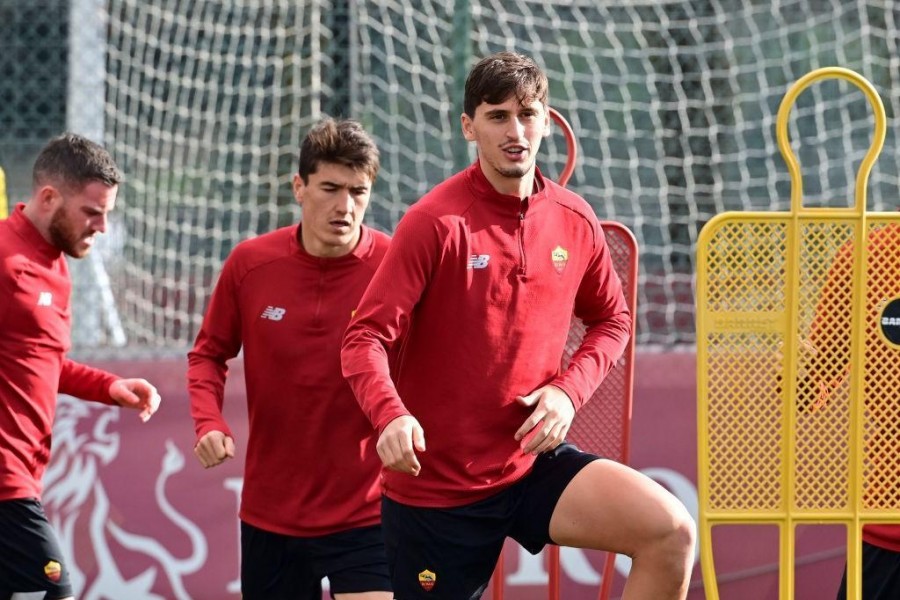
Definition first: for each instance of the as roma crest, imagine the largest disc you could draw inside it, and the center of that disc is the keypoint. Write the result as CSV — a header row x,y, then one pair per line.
x,y
427,580
559,256
53,571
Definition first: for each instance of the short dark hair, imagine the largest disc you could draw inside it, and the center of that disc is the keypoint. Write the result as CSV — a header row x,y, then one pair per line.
x,y
342,142
74,161
499,76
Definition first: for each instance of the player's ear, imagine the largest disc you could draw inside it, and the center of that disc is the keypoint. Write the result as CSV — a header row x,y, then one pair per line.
x,y
48,197
468,131
298,188
547,123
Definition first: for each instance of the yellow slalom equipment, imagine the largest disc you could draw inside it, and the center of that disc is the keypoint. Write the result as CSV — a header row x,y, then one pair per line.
x,y
4,200
798,347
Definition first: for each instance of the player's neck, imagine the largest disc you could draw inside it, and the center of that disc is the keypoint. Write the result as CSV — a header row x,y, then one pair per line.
x,y
520,187
38,219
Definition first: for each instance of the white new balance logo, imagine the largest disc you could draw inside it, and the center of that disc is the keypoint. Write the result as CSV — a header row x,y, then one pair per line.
x,y
45,299
273,313
479,261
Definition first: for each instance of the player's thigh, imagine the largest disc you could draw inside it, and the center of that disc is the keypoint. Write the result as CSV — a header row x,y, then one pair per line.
x,y
355,563
540,491
612,507
274,568
444,554
30,557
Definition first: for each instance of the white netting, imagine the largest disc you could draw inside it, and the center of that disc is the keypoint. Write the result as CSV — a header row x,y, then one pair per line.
x,y
673,103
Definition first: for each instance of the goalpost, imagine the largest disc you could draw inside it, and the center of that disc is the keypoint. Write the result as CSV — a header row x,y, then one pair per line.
x,y
96,314
206,102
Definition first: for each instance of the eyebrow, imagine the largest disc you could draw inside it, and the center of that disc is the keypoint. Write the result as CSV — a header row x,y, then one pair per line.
x,y
329,183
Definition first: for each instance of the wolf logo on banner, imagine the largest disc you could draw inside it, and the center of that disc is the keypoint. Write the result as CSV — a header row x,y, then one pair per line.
x,y
77,503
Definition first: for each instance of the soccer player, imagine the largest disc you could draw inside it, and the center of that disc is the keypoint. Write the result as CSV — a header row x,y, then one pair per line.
x,y
309,505
478,289
74,188
826,360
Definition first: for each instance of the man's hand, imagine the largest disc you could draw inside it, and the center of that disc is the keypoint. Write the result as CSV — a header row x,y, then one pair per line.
x,y
136,393
550,420
214,448
398,443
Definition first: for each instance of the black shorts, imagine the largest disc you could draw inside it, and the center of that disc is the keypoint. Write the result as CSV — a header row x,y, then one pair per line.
x,y
880,574
30,557
450,553
276,566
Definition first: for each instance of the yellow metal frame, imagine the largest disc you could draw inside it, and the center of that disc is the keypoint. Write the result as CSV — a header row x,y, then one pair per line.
x,y
765,248
4,201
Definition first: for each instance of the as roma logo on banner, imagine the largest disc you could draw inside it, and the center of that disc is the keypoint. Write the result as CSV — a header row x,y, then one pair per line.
x,y
427,579
560,257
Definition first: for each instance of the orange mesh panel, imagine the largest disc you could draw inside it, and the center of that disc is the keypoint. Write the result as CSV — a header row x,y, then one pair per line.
x,y
602,425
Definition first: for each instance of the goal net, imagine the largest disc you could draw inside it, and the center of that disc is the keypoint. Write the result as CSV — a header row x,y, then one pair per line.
x,y
673,104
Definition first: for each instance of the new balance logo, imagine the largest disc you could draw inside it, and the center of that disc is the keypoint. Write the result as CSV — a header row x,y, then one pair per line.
x,y
273,313
45,299
479,261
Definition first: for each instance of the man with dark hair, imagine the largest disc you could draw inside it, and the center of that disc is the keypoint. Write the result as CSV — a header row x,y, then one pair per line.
x,y
477,291
309,505
74,188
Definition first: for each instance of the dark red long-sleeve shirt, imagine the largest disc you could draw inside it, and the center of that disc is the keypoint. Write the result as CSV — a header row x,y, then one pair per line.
x,y
311,465
480,287
35,323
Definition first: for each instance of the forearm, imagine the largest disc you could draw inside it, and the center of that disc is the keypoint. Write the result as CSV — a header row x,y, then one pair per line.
x,y
206,388
600,349
87,383
366,368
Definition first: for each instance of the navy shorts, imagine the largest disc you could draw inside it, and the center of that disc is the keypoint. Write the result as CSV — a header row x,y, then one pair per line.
x,y
450,553
880,574
30,557
276,566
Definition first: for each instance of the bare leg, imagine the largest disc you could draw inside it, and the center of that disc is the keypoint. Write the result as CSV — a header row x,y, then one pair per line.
x,y
608,506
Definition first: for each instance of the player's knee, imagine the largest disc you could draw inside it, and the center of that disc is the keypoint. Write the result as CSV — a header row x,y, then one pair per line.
x,y
671,537
674,547
684,533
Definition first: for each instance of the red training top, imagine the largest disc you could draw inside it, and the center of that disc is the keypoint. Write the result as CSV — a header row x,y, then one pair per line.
x,y
35,326
311,467
481,287
830,335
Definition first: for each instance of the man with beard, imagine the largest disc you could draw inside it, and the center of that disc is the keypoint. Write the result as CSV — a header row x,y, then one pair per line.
x,y
74,188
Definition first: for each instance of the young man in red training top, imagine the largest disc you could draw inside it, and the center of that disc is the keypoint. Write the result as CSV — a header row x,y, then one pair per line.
x,y
74,188
481,279
309,506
